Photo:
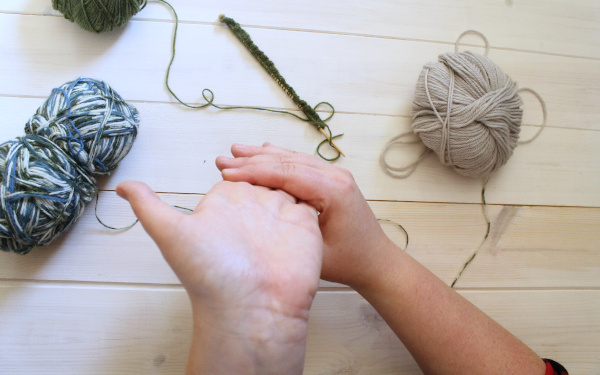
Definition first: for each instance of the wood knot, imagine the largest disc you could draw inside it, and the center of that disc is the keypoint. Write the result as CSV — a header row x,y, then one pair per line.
x,y
159,360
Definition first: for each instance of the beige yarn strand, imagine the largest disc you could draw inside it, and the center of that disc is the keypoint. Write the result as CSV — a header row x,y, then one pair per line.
x,y
544,114
443,151
472,32
405,170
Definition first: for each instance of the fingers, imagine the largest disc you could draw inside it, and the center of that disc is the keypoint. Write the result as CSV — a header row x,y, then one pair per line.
x,y
301,175
254,154
239,150
157,217
301,181
313,211
287,196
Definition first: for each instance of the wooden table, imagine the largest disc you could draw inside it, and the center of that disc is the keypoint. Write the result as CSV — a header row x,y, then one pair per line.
x,y
103,302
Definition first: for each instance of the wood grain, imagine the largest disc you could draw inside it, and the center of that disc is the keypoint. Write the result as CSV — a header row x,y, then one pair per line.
x,y
511,24
98,301
529,247
176,149
98,329
538,248
355,74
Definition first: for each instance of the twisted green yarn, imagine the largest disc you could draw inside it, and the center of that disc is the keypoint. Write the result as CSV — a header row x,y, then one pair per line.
x,y
83,129
99,15
311,114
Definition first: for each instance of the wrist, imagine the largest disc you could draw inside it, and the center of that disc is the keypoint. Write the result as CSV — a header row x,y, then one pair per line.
x,y
385,263
248,341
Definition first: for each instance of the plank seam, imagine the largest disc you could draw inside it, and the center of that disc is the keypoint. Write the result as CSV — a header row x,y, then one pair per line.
x,y
137,101
178,287
328,32
403,201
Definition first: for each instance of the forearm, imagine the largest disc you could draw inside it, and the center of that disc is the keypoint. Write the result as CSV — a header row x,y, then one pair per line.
x,y
444,332
252,343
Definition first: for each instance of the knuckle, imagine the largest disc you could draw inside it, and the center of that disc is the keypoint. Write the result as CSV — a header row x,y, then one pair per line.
x,y
288,169
345,180
229,186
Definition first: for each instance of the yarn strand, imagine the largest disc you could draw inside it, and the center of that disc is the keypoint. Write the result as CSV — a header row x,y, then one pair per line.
x,y
485,237
405,170
401,228
208,95
473,32
311,114
127,226
544,114
106,225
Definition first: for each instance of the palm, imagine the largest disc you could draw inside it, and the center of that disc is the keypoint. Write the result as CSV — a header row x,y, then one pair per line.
x,y
236,249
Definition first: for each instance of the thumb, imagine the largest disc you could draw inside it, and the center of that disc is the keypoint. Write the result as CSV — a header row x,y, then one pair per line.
x,y
157,217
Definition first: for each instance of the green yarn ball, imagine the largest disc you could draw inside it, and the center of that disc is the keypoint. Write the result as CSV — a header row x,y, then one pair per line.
x,y
99,15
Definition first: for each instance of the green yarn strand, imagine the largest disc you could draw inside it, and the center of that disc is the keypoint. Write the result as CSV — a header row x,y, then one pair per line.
x,y
208,95
331,138
270,67
311,114
106,15
173,51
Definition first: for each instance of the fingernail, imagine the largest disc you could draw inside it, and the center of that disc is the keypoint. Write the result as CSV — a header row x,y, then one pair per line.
x,y
239,146
121,192
224,158
228,172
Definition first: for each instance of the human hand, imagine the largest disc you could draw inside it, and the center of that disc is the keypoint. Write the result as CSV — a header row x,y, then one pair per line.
x,y
353,239
250,259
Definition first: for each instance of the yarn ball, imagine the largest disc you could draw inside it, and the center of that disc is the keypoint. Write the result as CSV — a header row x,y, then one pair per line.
x,y
43,193
89,121
47,176
99,15
468,112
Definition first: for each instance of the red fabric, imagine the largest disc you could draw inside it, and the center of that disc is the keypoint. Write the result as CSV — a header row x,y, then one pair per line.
x,y
554,368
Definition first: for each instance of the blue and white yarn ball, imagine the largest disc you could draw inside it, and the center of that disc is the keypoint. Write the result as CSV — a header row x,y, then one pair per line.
x,y
47,176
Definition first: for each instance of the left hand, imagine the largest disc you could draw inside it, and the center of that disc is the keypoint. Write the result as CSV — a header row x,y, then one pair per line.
x,y
354,244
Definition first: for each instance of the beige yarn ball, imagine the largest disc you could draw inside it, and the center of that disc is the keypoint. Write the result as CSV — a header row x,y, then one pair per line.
x,y
468,112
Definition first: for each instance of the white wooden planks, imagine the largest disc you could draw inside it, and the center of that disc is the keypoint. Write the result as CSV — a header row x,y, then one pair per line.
x,y
553,27
104,302
97,329
176,149
356,74
538,247
529,247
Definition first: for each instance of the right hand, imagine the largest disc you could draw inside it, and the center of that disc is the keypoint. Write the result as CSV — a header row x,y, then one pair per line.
x,y
250,259
354,242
